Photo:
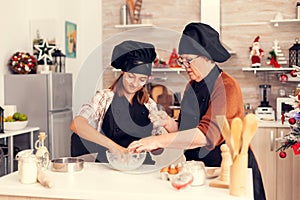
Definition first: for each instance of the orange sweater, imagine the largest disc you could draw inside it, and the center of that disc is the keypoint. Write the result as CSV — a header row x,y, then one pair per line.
x,y
226,98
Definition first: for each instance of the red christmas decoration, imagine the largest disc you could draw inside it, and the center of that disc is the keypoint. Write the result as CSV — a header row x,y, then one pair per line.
x,y
273,59
159,63
173,59
292,121
282,118
256,53
293,73
296,148
282,154
283,78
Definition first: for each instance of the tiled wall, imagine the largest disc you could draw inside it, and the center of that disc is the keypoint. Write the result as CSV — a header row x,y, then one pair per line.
x,y
241,22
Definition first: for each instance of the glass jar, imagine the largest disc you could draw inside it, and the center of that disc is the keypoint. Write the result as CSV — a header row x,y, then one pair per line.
x,y
197,169
27,168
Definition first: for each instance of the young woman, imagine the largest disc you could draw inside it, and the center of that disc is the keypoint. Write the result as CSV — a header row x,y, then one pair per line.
x,y
117,116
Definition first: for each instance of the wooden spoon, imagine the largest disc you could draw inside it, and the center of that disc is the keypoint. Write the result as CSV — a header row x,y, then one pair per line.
x,y
236,133
225,130
249,129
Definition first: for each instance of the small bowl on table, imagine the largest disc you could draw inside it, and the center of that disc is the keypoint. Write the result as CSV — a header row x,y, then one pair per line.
x,y
14,126
67,164
125,161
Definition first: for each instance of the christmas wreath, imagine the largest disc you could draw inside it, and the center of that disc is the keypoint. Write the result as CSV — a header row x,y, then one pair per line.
x,y
23,63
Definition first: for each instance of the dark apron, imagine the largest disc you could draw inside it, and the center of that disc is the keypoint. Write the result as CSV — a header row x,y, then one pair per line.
x,y
194,105
123,123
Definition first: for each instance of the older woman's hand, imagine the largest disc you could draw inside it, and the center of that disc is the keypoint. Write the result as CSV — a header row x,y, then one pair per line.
x,y
159,118
146,144
162,119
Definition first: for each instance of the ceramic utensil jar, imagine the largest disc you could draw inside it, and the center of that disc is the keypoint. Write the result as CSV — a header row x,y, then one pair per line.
x,y
27,167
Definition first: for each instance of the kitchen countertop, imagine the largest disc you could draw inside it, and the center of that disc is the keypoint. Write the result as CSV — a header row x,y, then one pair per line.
x,y
98,181
273,124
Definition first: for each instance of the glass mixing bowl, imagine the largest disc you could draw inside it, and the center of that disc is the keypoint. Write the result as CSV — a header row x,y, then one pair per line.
x,y
125,161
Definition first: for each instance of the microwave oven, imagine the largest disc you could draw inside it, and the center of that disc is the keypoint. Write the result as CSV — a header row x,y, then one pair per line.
x,y
283,106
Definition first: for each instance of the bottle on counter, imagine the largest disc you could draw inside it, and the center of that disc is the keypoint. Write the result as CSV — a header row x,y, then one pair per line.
x,y
123,15
298,10
42,153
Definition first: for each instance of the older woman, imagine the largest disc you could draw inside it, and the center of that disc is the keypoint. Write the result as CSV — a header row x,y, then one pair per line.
x,y
210,92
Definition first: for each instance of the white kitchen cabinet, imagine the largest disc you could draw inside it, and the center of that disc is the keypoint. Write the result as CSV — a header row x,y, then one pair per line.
x,y
280,175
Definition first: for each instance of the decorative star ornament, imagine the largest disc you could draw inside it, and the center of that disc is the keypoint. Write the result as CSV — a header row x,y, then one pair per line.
x,y
45,51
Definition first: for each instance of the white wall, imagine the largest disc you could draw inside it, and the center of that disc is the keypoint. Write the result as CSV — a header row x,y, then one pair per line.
x,y
16,16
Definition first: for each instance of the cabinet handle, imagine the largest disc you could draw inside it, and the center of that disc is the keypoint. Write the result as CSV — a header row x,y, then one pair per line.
x,y
272,140
281,134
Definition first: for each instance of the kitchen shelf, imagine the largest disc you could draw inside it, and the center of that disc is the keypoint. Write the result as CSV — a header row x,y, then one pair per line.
x,y
133,25
265,69
178,70
276,21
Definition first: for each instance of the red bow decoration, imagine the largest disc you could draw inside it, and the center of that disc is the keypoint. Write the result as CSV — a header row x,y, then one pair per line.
x,y
296,148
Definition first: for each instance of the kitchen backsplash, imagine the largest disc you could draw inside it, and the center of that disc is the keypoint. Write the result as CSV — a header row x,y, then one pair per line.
x,y
237,31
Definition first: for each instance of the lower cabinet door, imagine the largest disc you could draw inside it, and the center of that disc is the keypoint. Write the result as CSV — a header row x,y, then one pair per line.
x,y
281,176
296,177
284,171
263,145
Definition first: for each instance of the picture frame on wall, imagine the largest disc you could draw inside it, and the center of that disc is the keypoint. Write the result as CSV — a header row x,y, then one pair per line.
x,y
70,39
40,30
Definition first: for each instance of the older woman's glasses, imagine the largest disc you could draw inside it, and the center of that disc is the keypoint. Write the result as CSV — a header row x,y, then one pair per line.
x,y
181,61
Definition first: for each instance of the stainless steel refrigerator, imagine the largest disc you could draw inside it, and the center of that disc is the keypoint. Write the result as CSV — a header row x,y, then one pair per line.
x,y
47,100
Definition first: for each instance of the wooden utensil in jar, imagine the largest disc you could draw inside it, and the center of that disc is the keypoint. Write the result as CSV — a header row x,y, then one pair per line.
x,y
236,133
250,124
225,130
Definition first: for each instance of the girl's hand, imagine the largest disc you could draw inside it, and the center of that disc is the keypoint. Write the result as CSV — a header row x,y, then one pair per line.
x,y
118,149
